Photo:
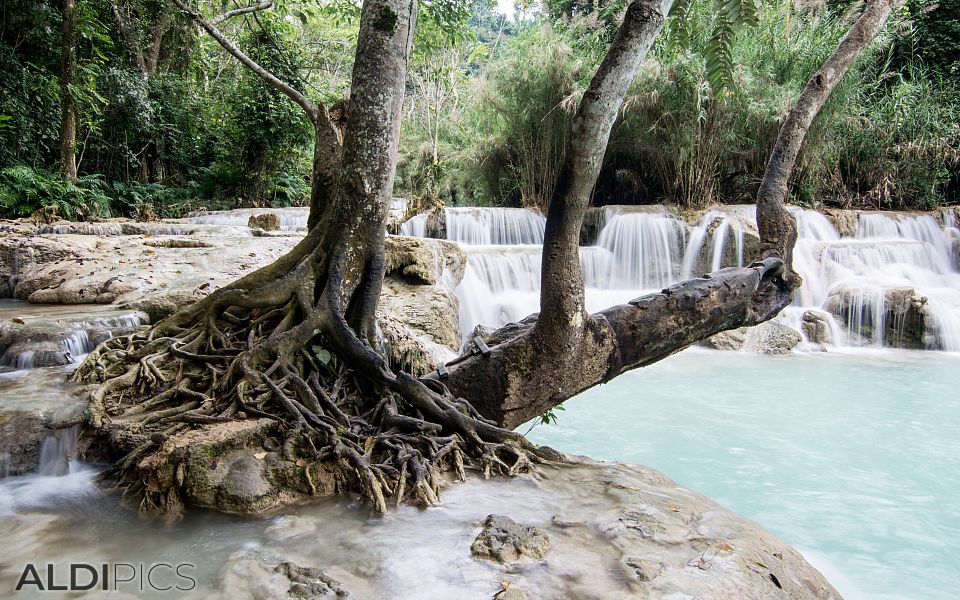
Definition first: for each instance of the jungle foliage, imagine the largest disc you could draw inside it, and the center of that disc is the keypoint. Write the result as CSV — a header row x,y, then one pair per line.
x,y
489,101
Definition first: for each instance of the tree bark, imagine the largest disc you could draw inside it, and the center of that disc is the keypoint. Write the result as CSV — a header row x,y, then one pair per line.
x,y
777,234
68,122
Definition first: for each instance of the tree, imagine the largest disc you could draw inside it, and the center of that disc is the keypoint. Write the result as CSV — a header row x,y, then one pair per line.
x,y
68,70
295,341
327,122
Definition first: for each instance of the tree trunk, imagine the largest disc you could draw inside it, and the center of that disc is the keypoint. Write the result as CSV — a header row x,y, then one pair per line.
x,y
294,342
68,122
778,235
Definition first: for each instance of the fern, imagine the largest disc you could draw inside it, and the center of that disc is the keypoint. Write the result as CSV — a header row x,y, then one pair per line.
x,y
729,16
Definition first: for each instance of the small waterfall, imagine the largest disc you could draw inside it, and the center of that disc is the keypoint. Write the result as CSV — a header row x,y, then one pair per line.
x,y
25,360
895,267
898,273
289,217
713,231
415,226
494,226
646,249
58,452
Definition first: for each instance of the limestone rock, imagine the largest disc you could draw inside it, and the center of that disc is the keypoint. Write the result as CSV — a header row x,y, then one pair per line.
x,y
772,338
423,261
845,221
264,221
816,326
21,435
505,541
903,316
734,339
259,574
225,467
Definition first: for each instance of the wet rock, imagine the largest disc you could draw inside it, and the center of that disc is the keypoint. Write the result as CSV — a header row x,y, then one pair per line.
x,y
733,339
593,221
423,261
845,221
644,570
772,338
163,304
816,327
261,574
21,436
897,316
264,221
35,355
505,541
767,338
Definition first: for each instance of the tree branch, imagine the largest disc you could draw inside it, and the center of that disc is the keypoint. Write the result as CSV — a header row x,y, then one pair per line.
x,y
562,295
264,5
272,80
130,39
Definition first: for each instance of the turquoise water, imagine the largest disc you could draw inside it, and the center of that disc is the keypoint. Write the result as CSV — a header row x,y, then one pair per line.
x,y
853,458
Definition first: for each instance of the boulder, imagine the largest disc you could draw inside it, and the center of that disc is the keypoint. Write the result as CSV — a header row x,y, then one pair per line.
x,y
902,321
259,573
232,467
423,261
766,338
844,220
733,339
21,436
504,540
264,221
772,338
816,327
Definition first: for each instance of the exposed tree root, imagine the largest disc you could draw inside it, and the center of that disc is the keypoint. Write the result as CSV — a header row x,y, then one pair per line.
x,y
274,351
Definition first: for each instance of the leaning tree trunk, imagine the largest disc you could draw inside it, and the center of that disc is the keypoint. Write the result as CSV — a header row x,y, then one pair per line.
x,y
68,121
778,235
294,342
537,364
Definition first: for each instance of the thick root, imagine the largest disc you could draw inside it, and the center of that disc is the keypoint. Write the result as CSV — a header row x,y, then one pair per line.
x,y
333,397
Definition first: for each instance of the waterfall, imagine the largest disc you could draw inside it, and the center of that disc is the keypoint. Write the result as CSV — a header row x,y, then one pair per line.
x,y
868,281
289,217
714,231
494,226
415,226
647,249
59,451
897,273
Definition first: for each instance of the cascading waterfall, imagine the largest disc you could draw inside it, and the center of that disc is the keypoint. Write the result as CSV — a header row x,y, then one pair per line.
x,y
415,226
898,273
289,217
494,226
713,231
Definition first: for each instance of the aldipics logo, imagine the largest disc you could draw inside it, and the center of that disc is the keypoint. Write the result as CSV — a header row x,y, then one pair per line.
x,y
81,577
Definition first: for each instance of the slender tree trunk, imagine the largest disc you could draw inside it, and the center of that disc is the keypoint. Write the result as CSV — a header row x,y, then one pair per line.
x,y
327,123
777,234
68,123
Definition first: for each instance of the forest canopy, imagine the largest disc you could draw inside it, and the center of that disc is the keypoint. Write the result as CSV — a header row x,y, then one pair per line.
x,y
167,122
